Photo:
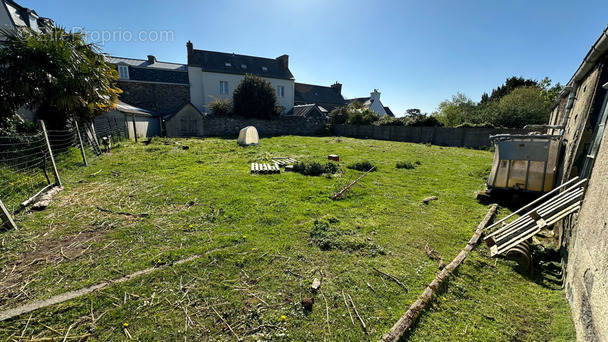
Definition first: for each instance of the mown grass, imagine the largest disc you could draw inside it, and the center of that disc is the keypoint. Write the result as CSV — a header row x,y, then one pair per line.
x,y
262,240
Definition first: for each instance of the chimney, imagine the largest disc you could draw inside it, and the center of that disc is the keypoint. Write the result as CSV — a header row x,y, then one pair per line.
x,y
190,48
337,87
375,95
284,61
151,59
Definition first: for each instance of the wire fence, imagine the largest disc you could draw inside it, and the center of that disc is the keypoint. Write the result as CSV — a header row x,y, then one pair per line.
x,y
29,165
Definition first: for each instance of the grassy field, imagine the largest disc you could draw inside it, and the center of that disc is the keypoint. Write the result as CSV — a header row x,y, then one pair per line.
x,y
258,241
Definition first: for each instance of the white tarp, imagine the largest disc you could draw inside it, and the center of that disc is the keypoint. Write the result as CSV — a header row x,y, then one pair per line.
x,y
248,136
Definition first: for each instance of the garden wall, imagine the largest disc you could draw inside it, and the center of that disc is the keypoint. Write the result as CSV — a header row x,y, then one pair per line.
x,y
283,125
443,136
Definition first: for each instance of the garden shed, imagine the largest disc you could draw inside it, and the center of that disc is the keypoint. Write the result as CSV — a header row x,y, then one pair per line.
x,y
185,122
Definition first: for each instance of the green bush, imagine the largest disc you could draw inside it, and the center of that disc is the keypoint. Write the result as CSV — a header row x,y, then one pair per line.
x,y
405,165
315,169
221,107
365,165
254,97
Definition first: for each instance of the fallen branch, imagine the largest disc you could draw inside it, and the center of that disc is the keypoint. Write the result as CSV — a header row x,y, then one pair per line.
x,y
27,308
223,320
122,212
326,313
393,278
357,313
341,192
407,320
347,308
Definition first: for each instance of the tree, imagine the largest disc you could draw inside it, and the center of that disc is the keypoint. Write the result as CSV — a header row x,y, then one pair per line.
x,y
57,73
509,85
522,106
413,112
254,97
455,112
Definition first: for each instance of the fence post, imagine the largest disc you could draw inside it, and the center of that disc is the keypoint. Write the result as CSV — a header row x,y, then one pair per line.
x,y
84,156
6,217
48,146
134,128
95,138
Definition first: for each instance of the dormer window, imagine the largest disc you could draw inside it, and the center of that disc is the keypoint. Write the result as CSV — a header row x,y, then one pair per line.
x,y
228,64
264,68
123,72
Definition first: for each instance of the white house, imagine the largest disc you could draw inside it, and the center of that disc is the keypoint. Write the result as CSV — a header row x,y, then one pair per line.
x,y
13,15
214,75
373,103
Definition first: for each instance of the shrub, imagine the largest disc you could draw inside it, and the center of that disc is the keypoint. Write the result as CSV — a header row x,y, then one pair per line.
x,y
365,165
315,168
255,97
221,107
405,165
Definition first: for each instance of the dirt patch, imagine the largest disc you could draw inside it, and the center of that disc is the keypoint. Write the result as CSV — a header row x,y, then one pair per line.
x,y
14,277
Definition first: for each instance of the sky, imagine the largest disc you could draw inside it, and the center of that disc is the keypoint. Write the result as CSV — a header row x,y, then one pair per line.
x,y
417,53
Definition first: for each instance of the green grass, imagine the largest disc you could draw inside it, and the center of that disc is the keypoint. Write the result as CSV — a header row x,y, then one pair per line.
x,y
262,241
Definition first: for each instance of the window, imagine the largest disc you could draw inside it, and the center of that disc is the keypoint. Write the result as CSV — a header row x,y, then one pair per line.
x,y
123,72
264,68
223,87
243,66
280,91
228,64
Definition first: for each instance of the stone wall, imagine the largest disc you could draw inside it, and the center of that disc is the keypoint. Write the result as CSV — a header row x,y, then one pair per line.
x,y
283,125
160,98
583,238
443,136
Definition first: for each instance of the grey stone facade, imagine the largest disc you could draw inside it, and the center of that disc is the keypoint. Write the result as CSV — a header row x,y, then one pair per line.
x,y
160,98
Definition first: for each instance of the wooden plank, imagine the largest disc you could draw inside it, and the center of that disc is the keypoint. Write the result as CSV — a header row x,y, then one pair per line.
x,y
539,200
6,217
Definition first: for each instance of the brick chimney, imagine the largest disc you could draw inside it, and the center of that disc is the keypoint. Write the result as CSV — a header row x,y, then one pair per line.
x,y
190,48
151,59
337,87
284,61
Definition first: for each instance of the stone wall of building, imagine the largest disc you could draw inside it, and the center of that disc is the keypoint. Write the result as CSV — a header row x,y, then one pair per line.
x,y
157,97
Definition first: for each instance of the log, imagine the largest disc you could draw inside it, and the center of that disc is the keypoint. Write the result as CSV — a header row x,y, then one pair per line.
x,y
410,317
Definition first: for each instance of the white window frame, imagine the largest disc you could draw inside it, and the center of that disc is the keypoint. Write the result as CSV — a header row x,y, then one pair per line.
x,y
123,72
280,91
223,87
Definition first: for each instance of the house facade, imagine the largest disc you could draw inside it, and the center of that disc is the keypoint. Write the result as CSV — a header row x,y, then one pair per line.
x,y
214,75
13,15
373,103
159,87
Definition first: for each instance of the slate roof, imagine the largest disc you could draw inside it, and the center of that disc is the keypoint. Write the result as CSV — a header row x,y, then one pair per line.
x,y
309,110
21,16
143,70
308,93
389,112
230,63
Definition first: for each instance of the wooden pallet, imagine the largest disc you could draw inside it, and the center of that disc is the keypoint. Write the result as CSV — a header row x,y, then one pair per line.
x,y
282,161
264,168
543,212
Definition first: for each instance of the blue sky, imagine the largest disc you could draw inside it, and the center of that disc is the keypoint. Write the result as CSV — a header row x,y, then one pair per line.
x,y
417,53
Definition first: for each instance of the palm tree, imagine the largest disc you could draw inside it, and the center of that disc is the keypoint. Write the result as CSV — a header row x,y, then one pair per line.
x,y
56,73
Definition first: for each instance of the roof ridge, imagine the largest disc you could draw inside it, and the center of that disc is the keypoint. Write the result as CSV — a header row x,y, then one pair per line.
x,y
145,60
234,54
